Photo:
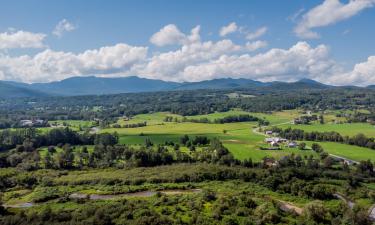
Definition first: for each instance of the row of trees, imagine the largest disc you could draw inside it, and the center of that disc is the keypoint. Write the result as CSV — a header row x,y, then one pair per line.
x,y
226,119
10,139
298,134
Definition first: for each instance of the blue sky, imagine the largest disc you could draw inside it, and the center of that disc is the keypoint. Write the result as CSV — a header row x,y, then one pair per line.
x,y
335,37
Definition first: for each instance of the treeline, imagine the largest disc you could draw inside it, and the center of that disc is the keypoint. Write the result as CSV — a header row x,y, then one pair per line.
x,y
297,134
185,103
130,125
226,119
10,139
107,154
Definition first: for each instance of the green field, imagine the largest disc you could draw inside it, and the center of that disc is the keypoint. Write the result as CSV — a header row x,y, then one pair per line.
x,y
349,129
347,151
239,137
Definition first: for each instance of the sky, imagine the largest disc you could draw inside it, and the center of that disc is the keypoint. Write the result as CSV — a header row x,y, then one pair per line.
x,y
331,41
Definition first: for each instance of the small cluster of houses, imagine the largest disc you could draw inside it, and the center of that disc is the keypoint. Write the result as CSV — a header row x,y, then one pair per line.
x,y
275,141
31,123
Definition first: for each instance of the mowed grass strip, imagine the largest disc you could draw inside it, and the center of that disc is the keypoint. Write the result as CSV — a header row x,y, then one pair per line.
x,y
348,151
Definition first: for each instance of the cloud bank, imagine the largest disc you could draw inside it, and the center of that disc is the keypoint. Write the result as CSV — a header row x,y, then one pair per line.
x,y
328,13
21,39
191,60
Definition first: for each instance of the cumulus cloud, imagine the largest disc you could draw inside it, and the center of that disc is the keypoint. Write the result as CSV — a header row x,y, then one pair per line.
x,y
230,28
194,60
256,34
50,65
210,60
62,27
252,46
363,74
299,61
21,39
328,13
171,35
168,65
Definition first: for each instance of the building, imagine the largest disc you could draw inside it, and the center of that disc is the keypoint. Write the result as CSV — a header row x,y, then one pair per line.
x,y
30,123
275,139
26,123
268,132
292,144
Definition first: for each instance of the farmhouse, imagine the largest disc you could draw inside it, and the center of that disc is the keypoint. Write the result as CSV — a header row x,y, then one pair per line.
x,y
275,139
268,132
25,123
30,123
292,144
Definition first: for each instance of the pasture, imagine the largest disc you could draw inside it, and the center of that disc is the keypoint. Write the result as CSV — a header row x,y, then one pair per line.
x,y
239,138
345,129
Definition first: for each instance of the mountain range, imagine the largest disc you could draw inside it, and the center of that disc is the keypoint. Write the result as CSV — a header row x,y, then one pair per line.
x,y
92,85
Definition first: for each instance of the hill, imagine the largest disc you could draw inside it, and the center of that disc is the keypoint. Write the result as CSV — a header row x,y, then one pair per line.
x,y
92,85
224,83
98,86
7,90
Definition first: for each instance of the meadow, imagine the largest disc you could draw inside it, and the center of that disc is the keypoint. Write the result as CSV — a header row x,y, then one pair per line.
x,y
345,129
240,138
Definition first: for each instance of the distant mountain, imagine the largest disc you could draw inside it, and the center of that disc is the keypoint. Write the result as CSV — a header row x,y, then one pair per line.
x,y
302,84
224,83
7,90
98,86
91,85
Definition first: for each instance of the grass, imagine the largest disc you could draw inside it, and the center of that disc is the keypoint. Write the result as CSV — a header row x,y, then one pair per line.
x,y
239,137
347,151
349,129
74,123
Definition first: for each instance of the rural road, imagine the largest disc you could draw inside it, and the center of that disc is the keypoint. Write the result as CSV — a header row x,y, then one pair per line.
x,y
372,213
343,198
256,130
94,130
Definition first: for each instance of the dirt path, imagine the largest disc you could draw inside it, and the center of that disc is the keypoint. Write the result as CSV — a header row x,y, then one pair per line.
x,y
372,212
289,207
343,158
345,199
134,194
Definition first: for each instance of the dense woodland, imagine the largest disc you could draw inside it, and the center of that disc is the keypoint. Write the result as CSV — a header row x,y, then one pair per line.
x,y
185,103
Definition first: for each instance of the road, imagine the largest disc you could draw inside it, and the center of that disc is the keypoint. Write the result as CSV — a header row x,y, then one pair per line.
x,y
372,213
256,129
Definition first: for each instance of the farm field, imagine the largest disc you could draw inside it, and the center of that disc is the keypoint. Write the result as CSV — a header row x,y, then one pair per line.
x,y
239,138
347,151
349,129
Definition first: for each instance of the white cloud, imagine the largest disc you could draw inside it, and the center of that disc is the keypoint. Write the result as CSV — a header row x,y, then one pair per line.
x,y
252,46
168,65
50,65
363,74
210,60
258,33
21,39
171,35
230,28
62,27
300,61
328,13
194,60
